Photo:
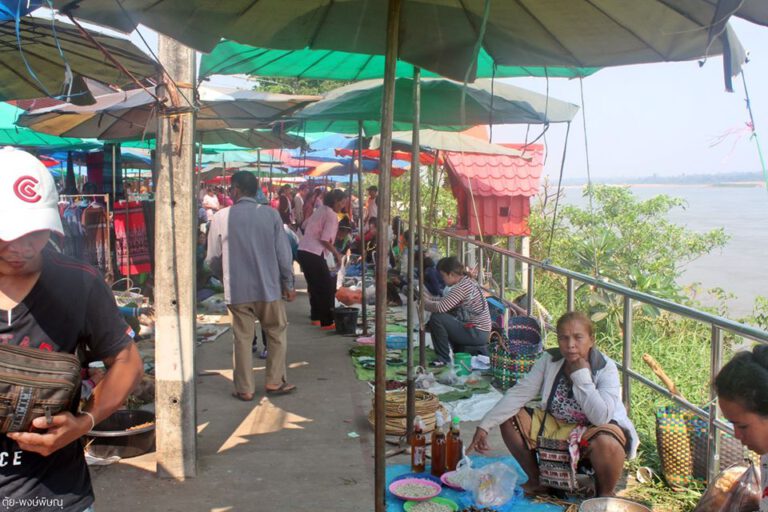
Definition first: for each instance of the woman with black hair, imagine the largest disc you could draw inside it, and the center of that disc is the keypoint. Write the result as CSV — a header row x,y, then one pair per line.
x,y
742,390
318,240
460,320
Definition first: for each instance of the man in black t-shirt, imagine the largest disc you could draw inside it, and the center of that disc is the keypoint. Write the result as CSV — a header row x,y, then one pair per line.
x,y
53,303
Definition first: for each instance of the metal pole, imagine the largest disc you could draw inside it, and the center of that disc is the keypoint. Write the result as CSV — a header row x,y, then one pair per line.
x,y
382,254
713,446
503,277
569,293
626,381
415,156
360,222
530,290
512,264
420,230
175,241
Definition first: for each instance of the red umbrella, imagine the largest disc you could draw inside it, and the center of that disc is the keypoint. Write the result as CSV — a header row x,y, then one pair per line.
x,y
48,161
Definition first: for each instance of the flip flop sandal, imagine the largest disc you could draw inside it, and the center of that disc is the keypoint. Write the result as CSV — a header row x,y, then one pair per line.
x,y
284,389
245,397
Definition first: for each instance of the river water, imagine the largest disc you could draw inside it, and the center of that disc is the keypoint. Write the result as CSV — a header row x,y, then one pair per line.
x,y
740,267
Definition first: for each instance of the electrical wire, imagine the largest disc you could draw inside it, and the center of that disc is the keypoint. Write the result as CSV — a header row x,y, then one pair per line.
x,y
191,104
559,189
589,177
754,130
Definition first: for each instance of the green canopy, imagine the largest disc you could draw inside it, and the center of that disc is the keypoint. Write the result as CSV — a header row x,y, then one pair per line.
x,y
231,58
442,35
12,135
441,101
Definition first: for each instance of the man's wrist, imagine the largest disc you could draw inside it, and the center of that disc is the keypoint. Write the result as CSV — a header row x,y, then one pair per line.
x,y
88,420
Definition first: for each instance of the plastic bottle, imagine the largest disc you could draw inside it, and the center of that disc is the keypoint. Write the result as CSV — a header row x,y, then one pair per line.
x,y
453,446
418,447
438,446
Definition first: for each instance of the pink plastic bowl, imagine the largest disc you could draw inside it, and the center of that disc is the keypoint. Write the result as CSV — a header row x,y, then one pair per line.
x,y
394,488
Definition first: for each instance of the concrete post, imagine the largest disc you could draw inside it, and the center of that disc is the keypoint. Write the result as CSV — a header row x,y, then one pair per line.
x,y
175,241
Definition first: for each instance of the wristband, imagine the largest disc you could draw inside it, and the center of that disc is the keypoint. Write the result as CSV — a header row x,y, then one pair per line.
x,y
93,420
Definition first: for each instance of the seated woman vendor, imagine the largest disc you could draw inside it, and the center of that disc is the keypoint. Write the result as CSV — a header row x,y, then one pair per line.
x,y
580,403
460,320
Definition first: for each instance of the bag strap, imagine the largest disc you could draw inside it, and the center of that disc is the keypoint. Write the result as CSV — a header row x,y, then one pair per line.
x,y
550,399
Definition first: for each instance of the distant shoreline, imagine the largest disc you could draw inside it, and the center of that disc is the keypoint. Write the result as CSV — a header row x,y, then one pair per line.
x,y
724,184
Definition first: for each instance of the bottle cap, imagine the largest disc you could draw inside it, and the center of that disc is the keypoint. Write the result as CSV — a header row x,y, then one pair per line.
x,y
456,420
439,421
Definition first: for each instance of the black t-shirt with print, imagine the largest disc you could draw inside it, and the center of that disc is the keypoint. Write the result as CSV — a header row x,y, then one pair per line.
x,y
69,305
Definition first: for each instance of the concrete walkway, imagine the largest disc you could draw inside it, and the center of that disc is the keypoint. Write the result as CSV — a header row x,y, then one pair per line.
x,y
285,453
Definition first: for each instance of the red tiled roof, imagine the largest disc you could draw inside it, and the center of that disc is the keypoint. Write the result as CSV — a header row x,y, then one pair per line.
x,y
502,186
499,175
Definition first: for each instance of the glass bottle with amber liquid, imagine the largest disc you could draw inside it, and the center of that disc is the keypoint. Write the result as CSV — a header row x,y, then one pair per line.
x,y
453,446
438,446
418,447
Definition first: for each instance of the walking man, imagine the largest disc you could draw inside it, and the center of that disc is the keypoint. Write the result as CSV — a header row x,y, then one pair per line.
x,y
249,249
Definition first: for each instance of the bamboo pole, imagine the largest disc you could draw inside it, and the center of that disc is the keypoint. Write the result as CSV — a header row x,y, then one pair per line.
x,y
415,150
382,255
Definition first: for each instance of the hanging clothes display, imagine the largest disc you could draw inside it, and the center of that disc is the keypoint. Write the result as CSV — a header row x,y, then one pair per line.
x,y
131,242
74,232
96,223
85,218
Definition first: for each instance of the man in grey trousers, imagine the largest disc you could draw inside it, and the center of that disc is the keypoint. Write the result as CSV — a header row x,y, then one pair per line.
x,y
248,248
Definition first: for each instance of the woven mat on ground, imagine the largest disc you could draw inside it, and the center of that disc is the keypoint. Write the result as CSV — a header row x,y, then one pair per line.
x,y
519,503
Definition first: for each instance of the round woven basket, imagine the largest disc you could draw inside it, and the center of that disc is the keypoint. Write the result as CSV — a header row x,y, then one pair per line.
x,y
396,426
395,409
395,405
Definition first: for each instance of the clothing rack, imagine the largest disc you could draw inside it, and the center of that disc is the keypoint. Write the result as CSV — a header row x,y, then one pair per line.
x,y
104,201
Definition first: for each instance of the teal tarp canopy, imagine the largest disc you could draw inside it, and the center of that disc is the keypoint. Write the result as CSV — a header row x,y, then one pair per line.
x,y
441,106
231,58
12,135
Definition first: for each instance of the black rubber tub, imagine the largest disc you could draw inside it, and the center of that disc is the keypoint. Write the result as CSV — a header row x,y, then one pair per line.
x,y
114,435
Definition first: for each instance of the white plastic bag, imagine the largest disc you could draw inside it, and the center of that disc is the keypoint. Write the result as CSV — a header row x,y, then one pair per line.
x,y
492,485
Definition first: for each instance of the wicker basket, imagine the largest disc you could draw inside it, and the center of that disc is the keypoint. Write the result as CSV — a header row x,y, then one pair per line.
x,y
396,426
395,409
513,357
681,439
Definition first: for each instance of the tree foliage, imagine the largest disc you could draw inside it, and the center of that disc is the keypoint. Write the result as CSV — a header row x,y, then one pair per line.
x,y
298,85
620,239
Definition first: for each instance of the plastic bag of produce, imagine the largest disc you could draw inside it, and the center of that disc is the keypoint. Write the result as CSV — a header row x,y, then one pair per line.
x,y
492,485
736,489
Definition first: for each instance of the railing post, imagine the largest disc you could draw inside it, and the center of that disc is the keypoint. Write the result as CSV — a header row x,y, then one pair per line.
x,y
460,250
626,382
530,290
447,245
713,448
503,277
569,293
511,263
480,264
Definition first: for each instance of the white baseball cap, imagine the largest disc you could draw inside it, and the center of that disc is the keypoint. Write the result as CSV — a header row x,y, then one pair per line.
x,y
28,195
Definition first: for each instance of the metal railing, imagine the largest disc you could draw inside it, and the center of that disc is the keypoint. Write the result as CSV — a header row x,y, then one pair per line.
x,y
718,325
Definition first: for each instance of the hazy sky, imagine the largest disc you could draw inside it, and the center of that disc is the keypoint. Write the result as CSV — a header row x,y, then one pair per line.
x,y
653,118
661,118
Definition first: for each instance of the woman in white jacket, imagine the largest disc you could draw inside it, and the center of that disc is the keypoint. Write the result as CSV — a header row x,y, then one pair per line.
x,y
580,402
